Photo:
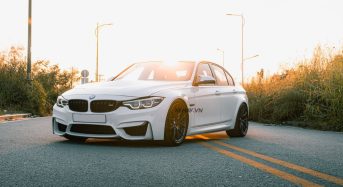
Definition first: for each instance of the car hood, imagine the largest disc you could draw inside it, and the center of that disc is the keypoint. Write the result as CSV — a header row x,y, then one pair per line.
x,y
125,88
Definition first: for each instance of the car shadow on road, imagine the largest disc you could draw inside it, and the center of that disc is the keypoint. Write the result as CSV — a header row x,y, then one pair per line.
x,y
128,143
112,142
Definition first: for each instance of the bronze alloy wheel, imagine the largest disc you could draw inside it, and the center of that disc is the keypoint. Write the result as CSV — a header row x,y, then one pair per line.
x,y
176,123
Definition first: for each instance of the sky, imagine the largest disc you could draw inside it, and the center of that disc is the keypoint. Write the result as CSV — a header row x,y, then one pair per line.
x,y
279,32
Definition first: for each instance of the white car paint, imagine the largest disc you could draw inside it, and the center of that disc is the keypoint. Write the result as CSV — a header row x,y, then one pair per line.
x,y
219,106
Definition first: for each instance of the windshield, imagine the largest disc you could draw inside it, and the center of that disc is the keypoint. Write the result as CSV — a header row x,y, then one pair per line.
x,y
178,71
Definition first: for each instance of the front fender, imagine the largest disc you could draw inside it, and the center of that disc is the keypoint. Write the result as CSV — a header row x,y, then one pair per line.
x,y
170,97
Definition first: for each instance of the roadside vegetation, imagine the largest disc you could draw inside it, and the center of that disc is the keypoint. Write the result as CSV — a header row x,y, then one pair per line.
x,y
37,96
308,95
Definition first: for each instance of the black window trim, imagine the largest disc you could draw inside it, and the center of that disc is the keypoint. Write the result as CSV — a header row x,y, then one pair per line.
x,y
233,80
224,74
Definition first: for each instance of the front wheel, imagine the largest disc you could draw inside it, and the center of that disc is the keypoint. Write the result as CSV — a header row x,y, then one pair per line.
x,y
242,123
176,124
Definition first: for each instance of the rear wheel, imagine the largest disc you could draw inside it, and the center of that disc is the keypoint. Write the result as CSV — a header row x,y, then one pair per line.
x,y
75,138
176,124
242,123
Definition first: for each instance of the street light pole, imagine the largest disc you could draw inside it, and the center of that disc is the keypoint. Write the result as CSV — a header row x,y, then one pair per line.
x,y
223,56
97,53
97,48
251,57
242,42
242,54
28,68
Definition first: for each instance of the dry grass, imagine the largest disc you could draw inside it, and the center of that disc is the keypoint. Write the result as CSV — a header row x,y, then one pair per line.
x,y
312,92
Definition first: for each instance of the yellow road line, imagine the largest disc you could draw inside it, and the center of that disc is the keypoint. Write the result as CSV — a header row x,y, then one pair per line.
x,y
189,137
286,164
281,162
289,177
203,137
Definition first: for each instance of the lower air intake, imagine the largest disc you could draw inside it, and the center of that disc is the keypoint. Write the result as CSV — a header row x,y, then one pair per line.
x,y
61,127
92,129
137,130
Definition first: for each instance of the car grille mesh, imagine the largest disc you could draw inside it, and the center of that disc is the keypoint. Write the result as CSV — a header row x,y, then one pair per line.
x,y
104,105
92,129
78,105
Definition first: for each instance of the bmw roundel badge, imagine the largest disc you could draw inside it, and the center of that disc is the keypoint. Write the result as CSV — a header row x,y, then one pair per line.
x,y
91,97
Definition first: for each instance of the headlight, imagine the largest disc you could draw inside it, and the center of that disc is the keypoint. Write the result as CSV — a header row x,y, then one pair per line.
x,y
61,102
143,103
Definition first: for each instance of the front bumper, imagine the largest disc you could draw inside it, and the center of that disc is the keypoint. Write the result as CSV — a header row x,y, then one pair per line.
x,y
144,124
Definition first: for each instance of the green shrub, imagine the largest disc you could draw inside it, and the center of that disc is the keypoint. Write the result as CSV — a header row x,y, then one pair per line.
x,y
37,96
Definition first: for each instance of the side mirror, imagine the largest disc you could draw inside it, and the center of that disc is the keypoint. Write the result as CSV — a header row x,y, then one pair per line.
x,y
109,79
205,80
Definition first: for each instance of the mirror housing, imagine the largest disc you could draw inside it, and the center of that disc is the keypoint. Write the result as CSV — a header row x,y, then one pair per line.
x,y
110,78
205,80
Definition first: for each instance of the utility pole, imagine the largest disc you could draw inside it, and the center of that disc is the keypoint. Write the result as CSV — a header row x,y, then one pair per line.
x,y
242,43
97,53
242,49
28,70
97,48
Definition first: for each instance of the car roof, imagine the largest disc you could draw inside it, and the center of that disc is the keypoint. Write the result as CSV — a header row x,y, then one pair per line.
x,y
196,62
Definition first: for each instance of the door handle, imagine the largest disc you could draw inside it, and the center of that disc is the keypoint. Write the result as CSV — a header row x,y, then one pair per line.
x,y
217,92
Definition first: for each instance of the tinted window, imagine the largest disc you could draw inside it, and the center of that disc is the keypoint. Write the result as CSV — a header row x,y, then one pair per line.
x,y
220,76
204,70
229,79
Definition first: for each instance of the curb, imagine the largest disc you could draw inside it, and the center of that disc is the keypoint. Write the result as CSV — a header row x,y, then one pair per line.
x,y
10,117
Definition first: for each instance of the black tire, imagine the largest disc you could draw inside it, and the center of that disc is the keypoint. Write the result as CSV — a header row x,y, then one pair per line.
x,y
242,123
176,124
75,138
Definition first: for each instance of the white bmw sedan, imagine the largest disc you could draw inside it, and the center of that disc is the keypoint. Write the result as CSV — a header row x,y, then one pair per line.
x,y
154,101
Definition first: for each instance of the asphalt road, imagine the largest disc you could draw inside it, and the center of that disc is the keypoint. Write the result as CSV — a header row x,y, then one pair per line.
x,y
268,156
